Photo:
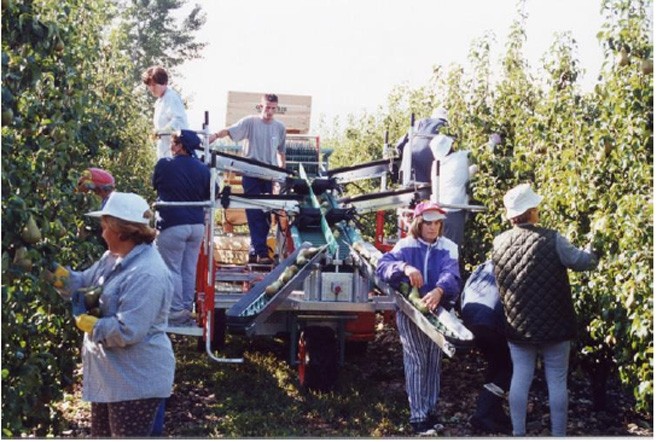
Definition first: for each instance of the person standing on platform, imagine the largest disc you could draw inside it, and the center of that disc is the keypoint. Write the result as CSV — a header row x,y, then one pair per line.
x,y
169,114
265,143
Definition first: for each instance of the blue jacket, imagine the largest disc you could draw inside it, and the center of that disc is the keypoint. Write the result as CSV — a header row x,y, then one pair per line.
x,y
181,178
129,355
438,263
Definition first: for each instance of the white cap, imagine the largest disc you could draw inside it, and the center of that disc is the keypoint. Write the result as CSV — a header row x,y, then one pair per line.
x,y
440,145
439,113
520,199
126,206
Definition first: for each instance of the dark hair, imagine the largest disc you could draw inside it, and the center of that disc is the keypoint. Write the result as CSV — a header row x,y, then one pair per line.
x,y
155,74
523,218
188,139
270,97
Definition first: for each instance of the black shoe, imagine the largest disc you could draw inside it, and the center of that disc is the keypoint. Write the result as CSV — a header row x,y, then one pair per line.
x,y
490,416
253,259
423,428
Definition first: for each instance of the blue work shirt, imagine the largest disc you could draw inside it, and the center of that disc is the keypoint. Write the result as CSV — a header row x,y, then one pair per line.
x,y
128,356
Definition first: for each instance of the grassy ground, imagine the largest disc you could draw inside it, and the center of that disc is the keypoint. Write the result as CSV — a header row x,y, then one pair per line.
x,y
261,397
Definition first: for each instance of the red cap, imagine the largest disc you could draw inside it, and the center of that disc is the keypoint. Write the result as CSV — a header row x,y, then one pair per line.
x,y
96,178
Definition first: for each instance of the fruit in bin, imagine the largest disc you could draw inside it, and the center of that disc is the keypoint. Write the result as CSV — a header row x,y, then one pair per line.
x,y
311,251
308,252
287,274
301,260
404,288
273,288
416,300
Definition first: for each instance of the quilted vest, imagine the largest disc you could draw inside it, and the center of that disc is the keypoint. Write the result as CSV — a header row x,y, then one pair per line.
x,y
534,286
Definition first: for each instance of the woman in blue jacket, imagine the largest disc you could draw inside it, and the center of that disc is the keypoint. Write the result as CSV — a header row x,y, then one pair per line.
x,y
428,261
128,363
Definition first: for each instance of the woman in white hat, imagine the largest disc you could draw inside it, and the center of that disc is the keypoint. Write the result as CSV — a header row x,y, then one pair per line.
x,y
530,265
429,261
127,358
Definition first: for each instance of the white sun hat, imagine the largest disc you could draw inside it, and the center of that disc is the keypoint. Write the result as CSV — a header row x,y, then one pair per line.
x,y
520,199
126,206
439,113
440,146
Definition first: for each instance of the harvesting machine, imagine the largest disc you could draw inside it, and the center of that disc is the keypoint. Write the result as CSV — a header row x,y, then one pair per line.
x,y
323,293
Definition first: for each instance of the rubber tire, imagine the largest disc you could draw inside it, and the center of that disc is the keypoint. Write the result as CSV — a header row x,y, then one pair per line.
x,y
218,333
318,358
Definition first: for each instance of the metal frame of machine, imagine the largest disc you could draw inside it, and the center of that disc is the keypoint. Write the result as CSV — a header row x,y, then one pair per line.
x,y
330,288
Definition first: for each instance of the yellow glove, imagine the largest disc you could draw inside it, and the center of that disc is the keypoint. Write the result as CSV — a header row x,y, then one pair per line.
x,y
61,275
86,322
57,275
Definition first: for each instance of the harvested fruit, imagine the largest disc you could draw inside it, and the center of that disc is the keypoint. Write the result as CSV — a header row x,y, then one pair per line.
x,y
416,300
92,296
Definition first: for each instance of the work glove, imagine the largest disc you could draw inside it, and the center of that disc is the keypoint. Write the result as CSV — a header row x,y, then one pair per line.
x,y
86,323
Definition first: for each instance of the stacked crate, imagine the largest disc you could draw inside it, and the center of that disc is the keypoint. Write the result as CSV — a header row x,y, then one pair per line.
x,y
231,249
303,149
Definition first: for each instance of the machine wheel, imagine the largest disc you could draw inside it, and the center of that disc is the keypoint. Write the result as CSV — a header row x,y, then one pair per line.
x,y
218,332
318,358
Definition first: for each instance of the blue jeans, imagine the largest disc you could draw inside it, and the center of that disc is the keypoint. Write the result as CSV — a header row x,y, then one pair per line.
x,y
179,247
555,360
258,220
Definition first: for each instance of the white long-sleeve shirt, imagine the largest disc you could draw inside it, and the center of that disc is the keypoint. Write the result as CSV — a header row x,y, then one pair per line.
x,y
169,115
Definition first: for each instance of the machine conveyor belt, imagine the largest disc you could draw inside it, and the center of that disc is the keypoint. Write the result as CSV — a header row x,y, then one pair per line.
x,y
448,345
256,306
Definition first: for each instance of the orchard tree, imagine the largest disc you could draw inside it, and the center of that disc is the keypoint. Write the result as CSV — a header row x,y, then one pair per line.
x,y
65,107
591,157
620,199
150,34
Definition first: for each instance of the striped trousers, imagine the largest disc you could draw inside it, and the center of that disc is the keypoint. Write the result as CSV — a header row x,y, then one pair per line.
x,y
421,368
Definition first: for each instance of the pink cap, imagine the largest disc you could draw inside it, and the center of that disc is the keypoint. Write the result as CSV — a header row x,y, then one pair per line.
x,y
429,211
